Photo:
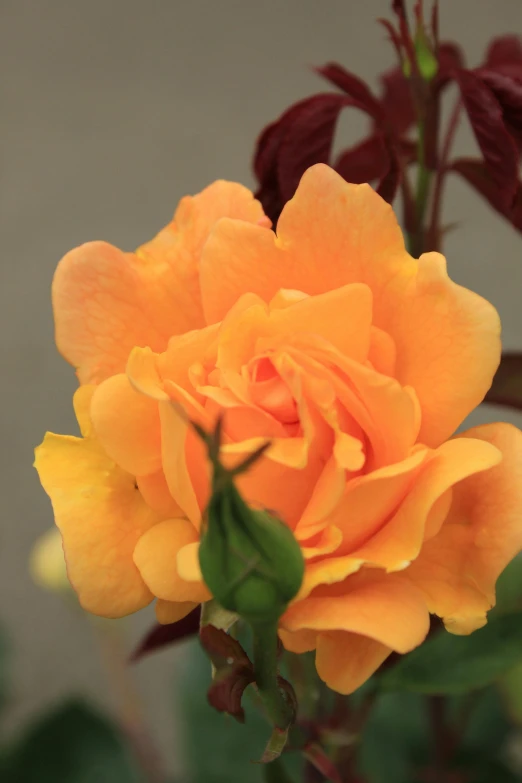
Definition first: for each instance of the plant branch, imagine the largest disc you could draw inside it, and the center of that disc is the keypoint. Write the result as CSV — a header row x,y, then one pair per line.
x,y
434,229
265,668
422,192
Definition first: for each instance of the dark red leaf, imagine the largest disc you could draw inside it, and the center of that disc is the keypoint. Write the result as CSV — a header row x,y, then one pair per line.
x,y
164,635
314,753
506,49
435,22
397,101
353,86
497,146
227,688
508,92
505,56
234,671
450,58
477,174
389,182
394,36
309,139
507,383
222,648
365,162
399,8
265,160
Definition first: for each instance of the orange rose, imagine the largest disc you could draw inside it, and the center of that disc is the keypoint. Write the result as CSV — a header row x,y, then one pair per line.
x,y
356,360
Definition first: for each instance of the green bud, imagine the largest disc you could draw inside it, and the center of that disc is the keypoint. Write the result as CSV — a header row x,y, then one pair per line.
x,y
426,60
249,559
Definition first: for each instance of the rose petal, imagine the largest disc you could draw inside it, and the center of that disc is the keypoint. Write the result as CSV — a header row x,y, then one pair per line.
x,y
457,569
447,337
106,302
101,515
171,611
399,541
127,425
383,607
156,556
346,660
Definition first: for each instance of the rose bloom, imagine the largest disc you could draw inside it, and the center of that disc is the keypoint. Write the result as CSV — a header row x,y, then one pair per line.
x,y
356,360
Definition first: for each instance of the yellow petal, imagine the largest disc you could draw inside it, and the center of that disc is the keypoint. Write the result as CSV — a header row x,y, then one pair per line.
x,y
298,642
101,515
171,611
399,541
333,233
382,607
47,562
346,660
106,302
128,426
458,568
156,558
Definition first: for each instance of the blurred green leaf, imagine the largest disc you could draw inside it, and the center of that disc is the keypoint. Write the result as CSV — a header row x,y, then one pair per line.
x,y
509,588
218,748
511,687
395,740
447,664
72,744
481,719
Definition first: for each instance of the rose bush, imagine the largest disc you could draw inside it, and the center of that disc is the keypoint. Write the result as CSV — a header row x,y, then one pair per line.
x,y
357,361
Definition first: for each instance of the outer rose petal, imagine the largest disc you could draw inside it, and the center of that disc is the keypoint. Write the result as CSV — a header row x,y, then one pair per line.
x,y
346,660
155,555
298,642
101,515
172,611
400,540
457,569
106,302
332,233
128,426
383,607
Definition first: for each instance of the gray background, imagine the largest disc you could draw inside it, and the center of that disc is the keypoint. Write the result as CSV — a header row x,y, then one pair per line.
x,y
110,111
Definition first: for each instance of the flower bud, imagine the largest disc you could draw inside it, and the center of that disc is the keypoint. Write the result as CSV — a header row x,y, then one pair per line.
x,y
47,563
426,59
249,559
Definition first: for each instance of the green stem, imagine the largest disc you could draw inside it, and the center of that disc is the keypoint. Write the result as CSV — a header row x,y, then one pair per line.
x,y
421,195
265,667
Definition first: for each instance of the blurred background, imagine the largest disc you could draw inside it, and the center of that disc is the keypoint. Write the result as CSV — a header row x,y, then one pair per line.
x,y
110,111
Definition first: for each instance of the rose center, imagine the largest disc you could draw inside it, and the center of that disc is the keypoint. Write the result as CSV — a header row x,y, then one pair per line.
x,y
269,391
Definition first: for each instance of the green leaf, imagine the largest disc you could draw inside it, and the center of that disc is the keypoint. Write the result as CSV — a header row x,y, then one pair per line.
x,y
275,745
217,747
511,687
487,726
72,744
447,664
509,588
395,740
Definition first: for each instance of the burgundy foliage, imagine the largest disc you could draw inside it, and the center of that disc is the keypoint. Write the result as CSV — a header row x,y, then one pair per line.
x,y
491,94
234,671
165,635
314,753
507,383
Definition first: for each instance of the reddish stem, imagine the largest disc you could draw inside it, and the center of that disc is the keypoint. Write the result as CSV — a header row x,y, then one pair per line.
x,y
433,237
